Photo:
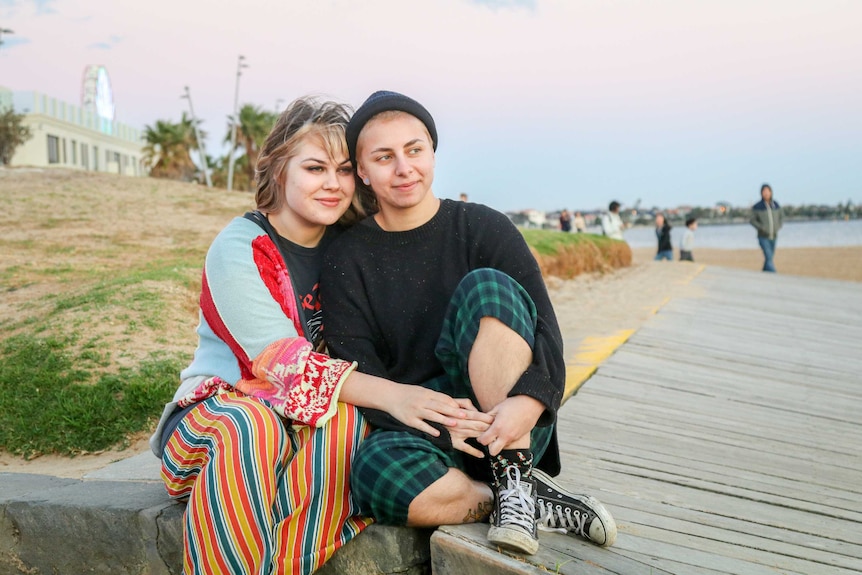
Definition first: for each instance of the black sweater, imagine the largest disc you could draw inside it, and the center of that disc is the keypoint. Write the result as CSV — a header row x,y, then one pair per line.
x,y
384,296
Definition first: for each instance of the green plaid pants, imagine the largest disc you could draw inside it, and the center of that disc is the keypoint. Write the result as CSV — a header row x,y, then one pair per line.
x,y
391,468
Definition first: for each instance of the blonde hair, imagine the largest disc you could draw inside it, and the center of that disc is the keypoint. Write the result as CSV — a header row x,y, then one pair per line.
x,y
303,118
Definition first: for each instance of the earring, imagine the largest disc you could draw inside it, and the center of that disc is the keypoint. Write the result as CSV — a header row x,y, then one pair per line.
x,y
366,181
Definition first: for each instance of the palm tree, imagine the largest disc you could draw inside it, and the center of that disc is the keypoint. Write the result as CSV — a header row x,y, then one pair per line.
x,y
168,149
252,129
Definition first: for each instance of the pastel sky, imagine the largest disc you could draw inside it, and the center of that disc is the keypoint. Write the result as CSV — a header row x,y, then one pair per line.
x,y
538,103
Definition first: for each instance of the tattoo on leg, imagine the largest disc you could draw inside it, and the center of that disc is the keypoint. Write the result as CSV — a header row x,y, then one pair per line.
x,y
482,511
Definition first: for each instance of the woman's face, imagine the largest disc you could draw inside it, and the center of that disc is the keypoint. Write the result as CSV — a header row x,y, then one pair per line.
x,y
766,193
396,155
318,190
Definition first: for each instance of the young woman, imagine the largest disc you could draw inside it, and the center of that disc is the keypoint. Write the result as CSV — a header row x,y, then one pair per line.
x,y
261,432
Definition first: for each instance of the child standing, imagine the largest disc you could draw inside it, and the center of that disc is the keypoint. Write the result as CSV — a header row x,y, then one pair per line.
x,y
688,241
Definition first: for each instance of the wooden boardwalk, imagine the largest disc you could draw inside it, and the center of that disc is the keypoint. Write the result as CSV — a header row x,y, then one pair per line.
x,y
725,436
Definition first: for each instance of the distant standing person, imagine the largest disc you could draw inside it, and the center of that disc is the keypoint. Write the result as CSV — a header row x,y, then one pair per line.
x,y
565,220
685,254
612,223
580,223
463,197
767,218
662,234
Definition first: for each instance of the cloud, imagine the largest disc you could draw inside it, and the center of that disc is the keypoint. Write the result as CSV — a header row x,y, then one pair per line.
x,y
10,7
108,45
503,4
12,41
44,6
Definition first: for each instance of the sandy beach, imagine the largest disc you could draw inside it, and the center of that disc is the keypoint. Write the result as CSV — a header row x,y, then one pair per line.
x,y
841,263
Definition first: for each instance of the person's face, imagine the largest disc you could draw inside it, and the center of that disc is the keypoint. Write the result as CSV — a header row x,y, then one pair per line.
x,y
318,189
397,157
693,226
766,194
659,220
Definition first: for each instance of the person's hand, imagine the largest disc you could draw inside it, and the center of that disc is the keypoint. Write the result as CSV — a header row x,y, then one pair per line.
x,y
415,406
514,417
471,426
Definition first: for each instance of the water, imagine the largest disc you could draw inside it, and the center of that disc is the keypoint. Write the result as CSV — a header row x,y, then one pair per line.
x,y
816,234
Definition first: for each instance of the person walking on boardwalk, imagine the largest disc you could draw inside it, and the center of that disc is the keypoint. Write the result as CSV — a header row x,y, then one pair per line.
x,y
662,234
447,296
766,217
261,432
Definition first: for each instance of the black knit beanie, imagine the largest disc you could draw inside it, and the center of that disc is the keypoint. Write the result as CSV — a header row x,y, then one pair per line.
x,y
384,101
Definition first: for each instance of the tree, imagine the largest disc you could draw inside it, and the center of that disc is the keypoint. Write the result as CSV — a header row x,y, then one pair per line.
x,y
252,129
13,133
168,149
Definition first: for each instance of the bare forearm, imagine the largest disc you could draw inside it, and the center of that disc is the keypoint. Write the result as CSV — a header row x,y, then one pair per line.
x,y
365,390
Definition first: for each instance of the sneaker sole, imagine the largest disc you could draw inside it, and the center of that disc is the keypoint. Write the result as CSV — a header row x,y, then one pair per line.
x,y
513,540
604,517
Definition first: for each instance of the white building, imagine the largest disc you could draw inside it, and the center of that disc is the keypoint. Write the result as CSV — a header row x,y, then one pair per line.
x,y
68,136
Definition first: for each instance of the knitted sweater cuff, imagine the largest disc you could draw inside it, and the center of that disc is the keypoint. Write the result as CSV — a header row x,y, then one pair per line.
x,y
540,388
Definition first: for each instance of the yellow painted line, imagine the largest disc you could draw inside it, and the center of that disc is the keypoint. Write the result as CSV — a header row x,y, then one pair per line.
x,y
654,310
591,353
698,268
594,350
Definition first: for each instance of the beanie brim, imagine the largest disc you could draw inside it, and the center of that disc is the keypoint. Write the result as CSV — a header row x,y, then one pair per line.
x,y
385,101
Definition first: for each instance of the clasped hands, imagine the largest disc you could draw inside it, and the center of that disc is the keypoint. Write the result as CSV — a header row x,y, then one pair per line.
x,y
508,421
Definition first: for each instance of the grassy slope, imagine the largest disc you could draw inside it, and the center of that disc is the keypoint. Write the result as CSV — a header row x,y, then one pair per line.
x,y
100,277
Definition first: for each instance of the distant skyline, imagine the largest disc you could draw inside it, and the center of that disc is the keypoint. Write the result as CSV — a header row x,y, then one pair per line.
x,y
538,104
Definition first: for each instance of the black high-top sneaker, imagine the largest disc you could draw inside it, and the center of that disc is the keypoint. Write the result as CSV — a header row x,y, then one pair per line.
x,y
581,515
513,521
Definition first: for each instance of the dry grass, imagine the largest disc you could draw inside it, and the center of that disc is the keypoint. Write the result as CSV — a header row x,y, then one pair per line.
x,y
585,257
111,259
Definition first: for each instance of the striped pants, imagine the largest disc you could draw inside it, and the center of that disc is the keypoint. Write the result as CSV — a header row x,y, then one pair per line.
x,y
263,497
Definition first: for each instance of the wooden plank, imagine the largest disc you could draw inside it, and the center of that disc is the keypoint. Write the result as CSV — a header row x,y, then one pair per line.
x,y
724,435
557,554
630,511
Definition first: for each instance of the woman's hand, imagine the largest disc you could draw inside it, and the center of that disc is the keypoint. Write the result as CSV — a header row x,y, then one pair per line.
x,y
473,425
415,406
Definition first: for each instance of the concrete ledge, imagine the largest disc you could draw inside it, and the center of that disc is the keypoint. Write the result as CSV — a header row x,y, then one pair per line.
x,y
50,525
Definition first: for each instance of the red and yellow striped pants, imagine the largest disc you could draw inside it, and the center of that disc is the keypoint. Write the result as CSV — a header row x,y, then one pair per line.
x,y
263,497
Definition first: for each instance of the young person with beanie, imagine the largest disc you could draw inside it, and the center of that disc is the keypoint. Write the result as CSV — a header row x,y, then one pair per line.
x,y
446,295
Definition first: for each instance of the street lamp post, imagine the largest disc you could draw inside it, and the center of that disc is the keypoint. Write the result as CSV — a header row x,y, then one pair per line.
x,y
240,64
4,31
188,96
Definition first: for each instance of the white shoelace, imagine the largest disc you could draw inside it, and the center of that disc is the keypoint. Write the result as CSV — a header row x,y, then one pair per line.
x,y
563,520
516,501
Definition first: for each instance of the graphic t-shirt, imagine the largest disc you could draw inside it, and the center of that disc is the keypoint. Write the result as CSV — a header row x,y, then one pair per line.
x,y
304,267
